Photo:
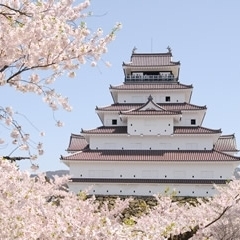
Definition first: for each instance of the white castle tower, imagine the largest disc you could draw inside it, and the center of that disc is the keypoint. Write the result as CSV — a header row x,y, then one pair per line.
x,y
151,139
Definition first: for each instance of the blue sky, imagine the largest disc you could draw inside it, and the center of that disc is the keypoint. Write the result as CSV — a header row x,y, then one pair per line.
x,y
204,36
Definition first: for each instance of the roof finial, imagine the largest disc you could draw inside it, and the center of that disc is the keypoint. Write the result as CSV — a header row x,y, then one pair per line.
x,y
134,49
150,98
169,49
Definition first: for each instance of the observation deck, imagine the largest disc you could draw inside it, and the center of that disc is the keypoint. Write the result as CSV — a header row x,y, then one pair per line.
x,y
150,78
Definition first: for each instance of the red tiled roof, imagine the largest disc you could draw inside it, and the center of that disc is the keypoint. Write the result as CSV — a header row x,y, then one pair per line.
x,y
151,59
195,130
77,143
152,86
149,112
168,106
177,130
226,143
143,180
150,155
107,130
150,108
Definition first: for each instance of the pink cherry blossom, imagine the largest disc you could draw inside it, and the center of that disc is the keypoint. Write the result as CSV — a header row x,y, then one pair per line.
x,y
44,36
36,207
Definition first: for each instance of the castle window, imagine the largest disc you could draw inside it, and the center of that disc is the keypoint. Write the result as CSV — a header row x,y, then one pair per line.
x,y
114,121
167,99
193,121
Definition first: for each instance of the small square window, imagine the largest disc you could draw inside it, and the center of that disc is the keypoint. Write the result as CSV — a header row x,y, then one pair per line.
x,y
167,98
114,121
193,121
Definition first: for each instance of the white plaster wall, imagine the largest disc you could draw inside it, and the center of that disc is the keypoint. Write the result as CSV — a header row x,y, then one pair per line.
x,y
150,125
158,97
154,142
144,189
185,119
187,116
109,116
152,170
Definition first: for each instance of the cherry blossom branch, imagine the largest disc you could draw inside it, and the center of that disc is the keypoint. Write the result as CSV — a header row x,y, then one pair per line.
x,y
48,36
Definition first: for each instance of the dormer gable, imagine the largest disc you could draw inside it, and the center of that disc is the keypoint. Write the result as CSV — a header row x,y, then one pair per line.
x,y
149,108
150,105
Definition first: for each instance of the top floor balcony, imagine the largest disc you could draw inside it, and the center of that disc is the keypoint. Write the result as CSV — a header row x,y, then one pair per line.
x,y
149,78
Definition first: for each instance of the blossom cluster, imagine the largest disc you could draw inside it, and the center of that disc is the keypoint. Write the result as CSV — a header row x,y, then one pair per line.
x,y
20,138
42,40
36,207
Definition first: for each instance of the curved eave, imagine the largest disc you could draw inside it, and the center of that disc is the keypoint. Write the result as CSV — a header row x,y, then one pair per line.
x,y
150,114
196,131
145,87
151,156
77,142
177,131
126,107
103,130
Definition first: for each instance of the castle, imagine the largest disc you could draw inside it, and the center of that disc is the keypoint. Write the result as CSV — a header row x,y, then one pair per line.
x,y
151,139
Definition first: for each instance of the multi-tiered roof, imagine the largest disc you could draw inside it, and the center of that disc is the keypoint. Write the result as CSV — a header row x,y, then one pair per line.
x,y
153,125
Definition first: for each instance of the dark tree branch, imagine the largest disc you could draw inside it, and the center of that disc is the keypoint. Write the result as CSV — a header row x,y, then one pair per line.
x,y
14,159
14,10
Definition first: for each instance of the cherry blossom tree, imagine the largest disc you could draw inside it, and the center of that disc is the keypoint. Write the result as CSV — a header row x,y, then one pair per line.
x,y
44,38
41,208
